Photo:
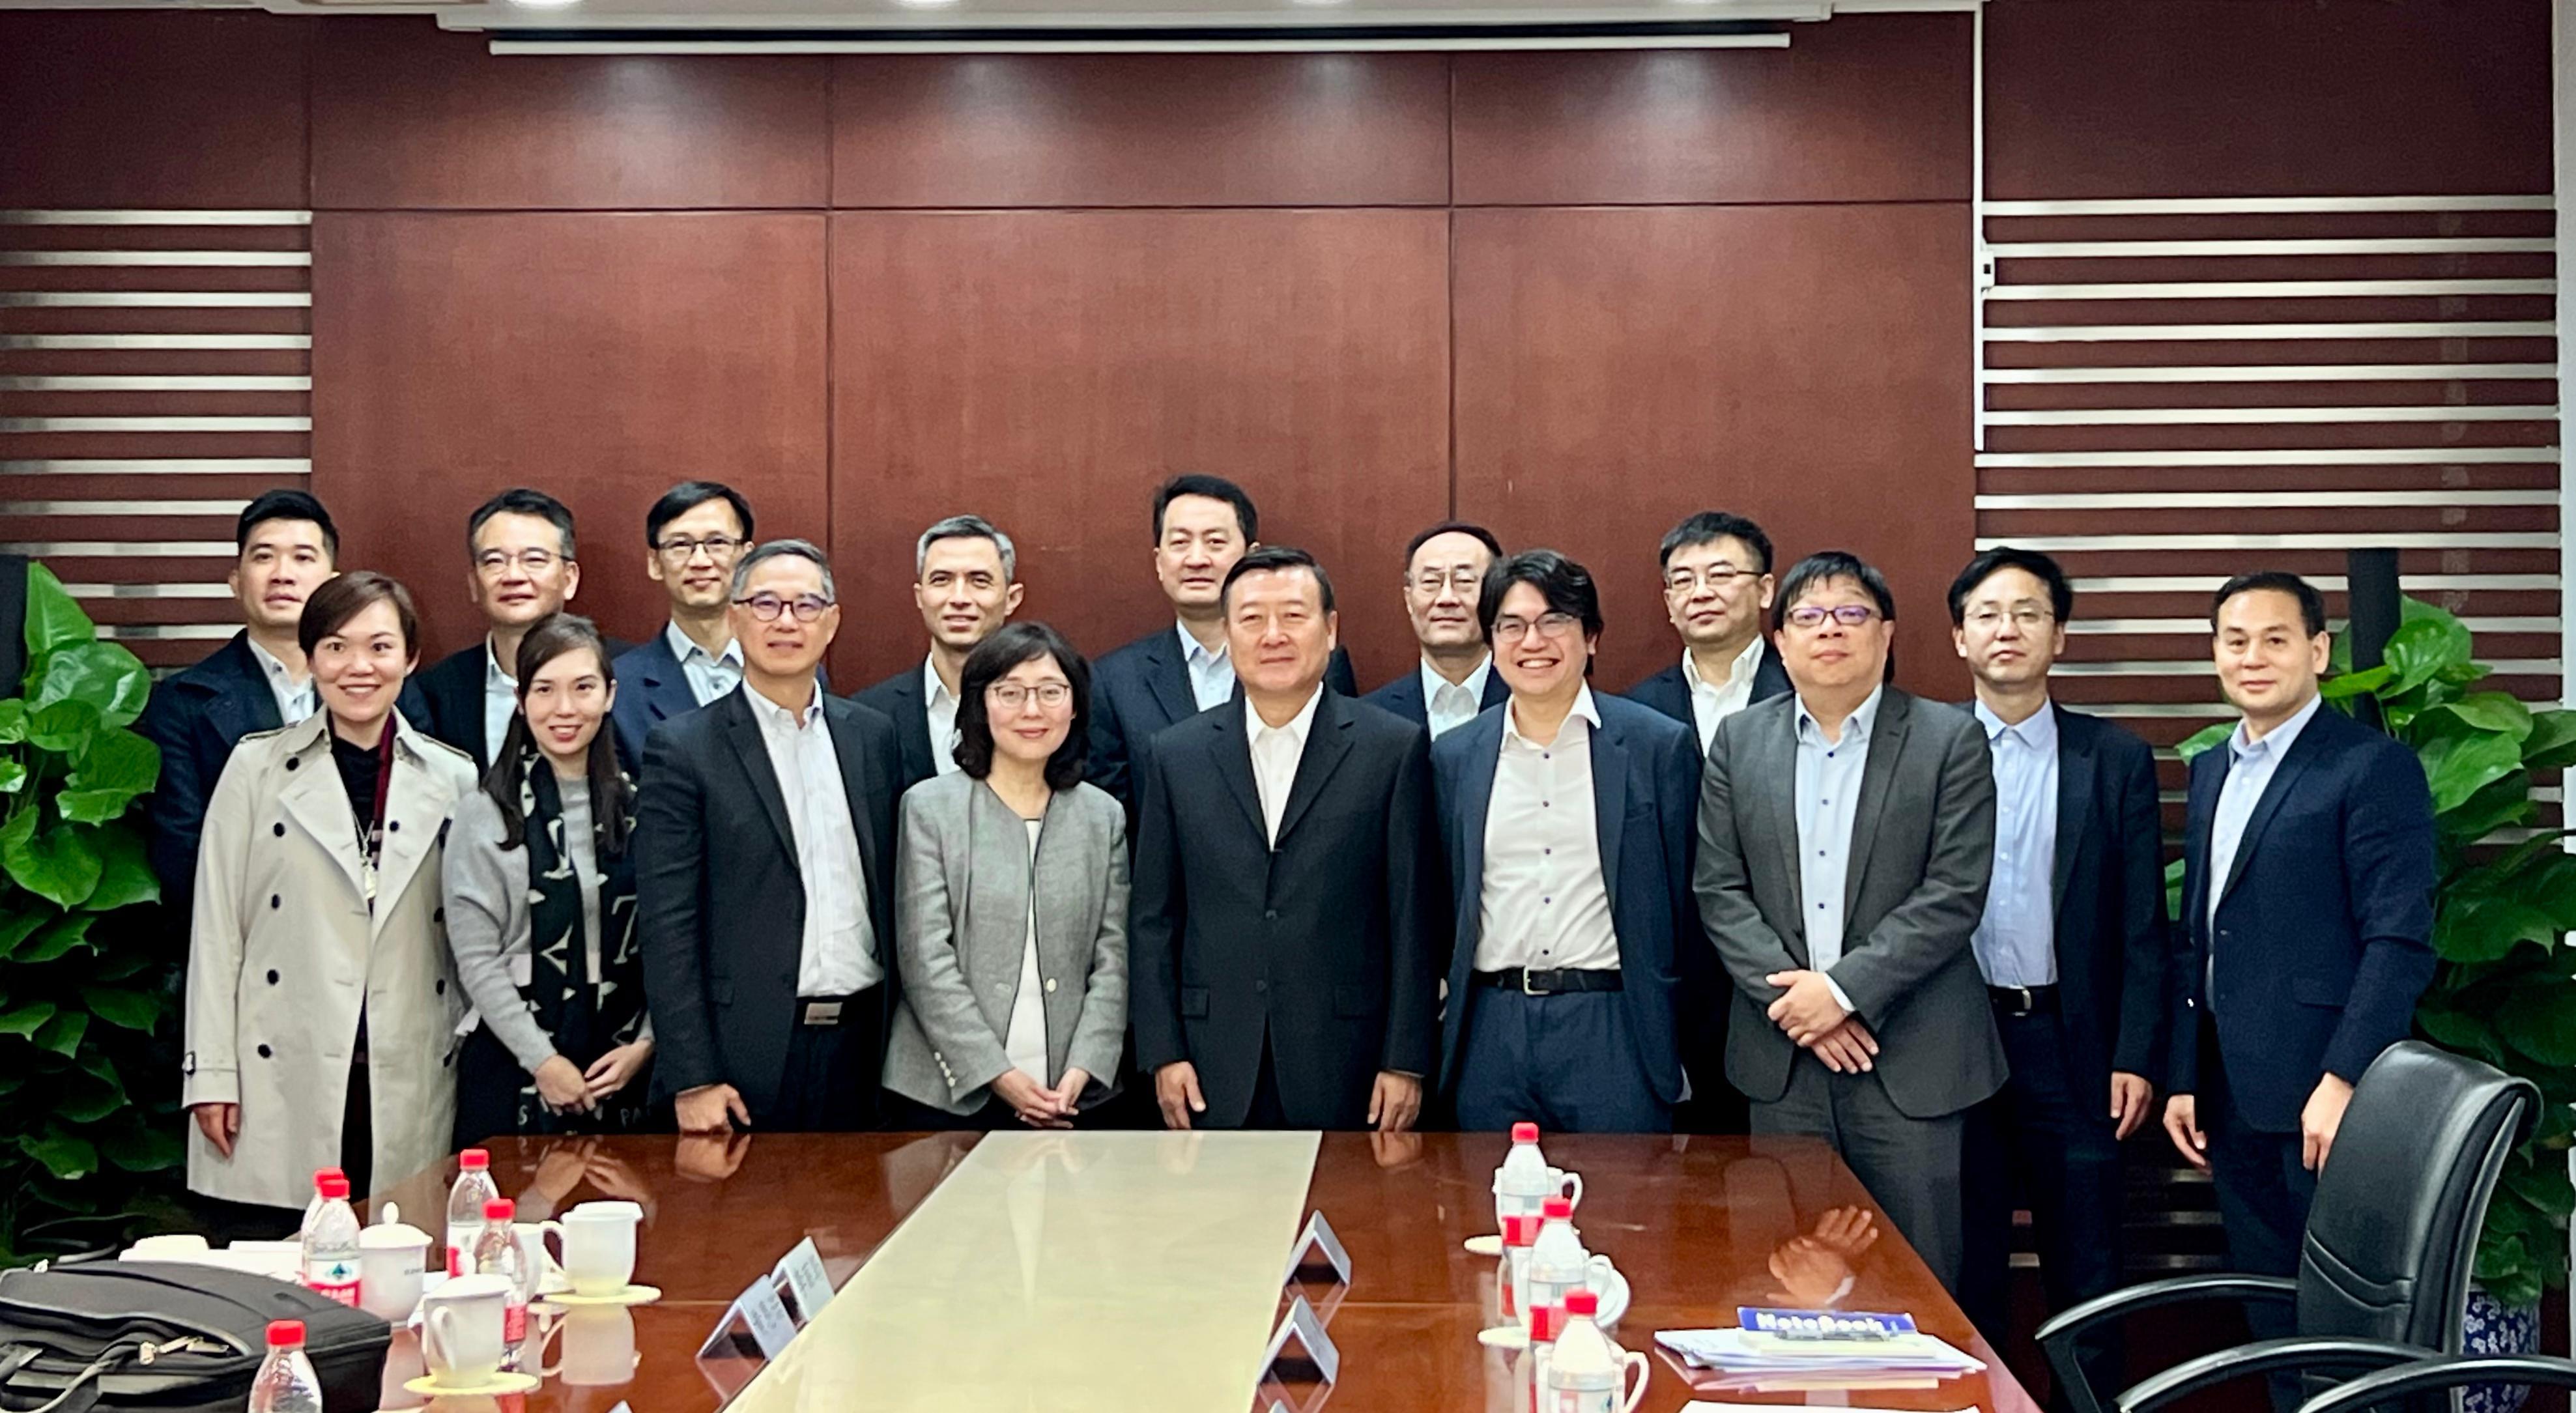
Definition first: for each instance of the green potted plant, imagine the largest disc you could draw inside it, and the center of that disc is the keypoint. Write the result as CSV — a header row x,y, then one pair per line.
x,y
89,1125
2507,896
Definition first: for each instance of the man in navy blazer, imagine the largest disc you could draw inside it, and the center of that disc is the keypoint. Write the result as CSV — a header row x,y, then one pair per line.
x,y
2308,875
1716,570
1444,571
692,537
286,547
2072,945
965,581
1568,820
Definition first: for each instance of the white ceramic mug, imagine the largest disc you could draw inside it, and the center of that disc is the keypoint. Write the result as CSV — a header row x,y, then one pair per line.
x,y
539,1272
1636,1392
598,1346
598,1246
1560,1183
392,1260
1549,1288
461,1329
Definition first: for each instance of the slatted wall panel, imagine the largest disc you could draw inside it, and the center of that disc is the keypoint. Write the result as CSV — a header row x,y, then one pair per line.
x,y
2172,391
154,376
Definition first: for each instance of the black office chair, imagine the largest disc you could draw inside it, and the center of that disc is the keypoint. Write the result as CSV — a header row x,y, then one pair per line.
x,y
2392,1234
2440,1374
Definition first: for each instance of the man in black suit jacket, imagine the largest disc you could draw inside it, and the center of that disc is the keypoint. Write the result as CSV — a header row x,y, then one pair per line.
x,y
692,536
965,581
286,546
521,567
1716,571
2305,940
1444,571
2072,946
1285,902
764,877
1202,526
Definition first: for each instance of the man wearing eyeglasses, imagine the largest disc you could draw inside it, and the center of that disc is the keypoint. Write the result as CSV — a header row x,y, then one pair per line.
x,y
1717,586
520,568
1566,817
2072,946
965,581
692,536
764,839
1444,570
1846,832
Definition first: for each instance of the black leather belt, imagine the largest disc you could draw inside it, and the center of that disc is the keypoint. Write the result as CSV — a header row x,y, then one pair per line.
x,y
1549,983
2023,1000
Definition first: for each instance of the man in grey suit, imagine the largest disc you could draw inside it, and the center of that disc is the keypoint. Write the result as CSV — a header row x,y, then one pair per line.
x,y
1846,833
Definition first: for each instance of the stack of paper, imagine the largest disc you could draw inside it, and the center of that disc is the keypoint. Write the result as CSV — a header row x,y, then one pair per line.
x,y
1734,1360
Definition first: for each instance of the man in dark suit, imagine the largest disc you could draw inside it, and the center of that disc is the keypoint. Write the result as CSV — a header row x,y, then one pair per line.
x,y
2307,898
1567,820
1845,836
1202,525
2072,946
521,568
764,875
1285,903
1716,570
286,547
1444,571
965,581
692,536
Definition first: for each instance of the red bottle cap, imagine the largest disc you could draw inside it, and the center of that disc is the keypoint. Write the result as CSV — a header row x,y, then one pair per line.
x,y
332,1186
1557,1209
474,1160
500,1209
1582,1302
1525,1133
285,1334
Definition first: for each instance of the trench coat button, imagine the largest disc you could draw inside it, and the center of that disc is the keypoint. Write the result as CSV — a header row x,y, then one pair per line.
x,y
293,761
263,1052
393,826
272,976
1050,985
442,986
279,830
438,915
274,902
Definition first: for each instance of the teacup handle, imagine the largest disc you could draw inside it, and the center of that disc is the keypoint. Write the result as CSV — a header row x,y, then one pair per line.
x,y
1597,1270
1575,1180
1636,1361
546,1342
554,1255
435,1342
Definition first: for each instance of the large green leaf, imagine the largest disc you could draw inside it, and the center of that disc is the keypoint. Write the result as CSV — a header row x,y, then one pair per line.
x,y
2204,739
56,865
13,721
116,1005
2458,765
2504,801
118,759
2346,685
142,1148
26,1020
2539,1019
2484,929
67,1156
105,677
2546,1188
16,927
2504,1268
2456,1030
2493,711
2552,742
2424,645
125,871
54,619
62,1034
63,727
88,1103
56,938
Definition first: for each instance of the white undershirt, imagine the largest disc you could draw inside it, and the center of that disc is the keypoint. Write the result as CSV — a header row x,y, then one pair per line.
x,y
1025,1042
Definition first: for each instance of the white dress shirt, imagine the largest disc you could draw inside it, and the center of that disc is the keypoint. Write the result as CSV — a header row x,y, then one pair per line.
x,y
1024,1040
295,702
2251,765
1711,703
1211,670
709,677
500,701
838,952
1275,753
939,705
1828,785
1451,705
2016,939
1546,905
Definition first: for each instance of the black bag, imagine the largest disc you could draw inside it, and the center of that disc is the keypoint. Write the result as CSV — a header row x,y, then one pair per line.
x,y
171,1338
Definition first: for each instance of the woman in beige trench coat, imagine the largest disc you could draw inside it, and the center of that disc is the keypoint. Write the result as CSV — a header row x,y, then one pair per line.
x,y
322,1005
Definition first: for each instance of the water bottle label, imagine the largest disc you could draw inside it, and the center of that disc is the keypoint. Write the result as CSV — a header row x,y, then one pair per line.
x,y
333,1278
514,1322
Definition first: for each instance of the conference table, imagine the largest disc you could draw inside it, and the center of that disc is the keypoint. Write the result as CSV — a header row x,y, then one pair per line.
x,y
1143,1271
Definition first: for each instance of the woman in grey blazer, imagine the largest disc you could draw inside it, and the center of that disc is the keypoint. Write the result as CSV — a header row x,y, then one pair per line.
x,y
1010,905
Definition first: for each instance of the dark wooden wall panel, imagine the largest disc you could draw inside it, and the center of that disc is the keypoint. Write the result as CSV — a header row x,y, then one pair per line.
x,y
1047,369
2111,98
1871,109
406,116
151,110
1805,365
1158,130
598,357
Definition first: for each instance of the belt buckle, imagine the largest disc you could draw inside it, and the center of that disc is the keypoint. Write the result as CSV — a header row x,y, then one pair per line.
x,y
1527,989
2022,995
819,1013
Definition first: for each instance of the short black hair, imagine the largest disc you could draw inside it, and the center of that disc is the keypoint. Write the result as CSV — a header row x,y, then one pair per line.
x,y
1831,564
1271,559
519,500
342,597
1566,585
285,504
1469,528
2312,605
1246,518
688,496
2061,594
1710,525
991,661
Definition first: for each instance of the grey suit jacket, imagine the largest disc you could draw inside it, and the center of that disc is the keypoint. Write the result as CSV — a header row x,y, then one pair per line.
x,y
961,915
1922,845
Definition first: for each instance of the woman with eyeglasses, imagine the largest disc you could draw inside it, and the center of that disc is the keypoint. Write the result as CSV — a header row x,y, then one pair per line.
x,y
541,910
1011,905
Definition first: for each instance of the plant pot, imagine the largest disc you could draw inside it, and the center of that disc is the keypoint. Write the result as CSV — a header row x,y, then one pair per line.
x,y
2489,1328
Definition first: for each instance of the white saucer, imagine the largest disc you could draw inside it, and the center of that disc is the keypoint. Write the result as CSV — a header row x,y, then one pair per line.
x,y
1513,1337
631,1295
502,1381
1489,1245
1614,1303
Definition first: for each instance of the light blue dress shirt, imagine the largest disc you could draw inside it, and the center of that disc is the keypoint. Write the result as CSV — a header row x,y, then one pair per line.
x,y
1211,672
2251,766
1828,785
2016,940
708,677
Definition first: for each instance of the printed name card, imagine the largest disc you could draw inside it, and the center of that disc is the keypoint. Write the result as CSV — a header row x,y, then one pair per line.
x,y
759,1309
802,1270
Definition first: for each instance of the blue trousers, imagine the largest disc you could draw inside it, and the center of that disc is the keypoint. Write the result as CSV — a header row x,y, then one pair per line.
x,y
1564,1062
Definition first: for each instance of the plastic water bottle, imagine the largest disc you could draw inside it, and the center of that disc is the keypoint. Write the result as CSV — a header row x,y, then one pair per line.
x,y
1585,1370
496,1253
1518,1233
331,1242
1521,1183
1557,1261
474,1187
285,1382
1545,1323
314,1207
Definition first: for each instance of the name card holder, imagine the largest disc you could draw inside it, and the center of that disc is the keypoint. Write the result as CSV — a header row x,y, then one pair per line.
x,y
759,1310
1317,1246
1301,1325
808,1284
